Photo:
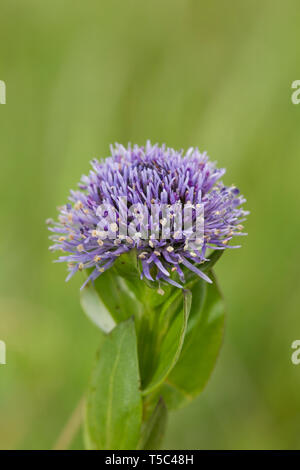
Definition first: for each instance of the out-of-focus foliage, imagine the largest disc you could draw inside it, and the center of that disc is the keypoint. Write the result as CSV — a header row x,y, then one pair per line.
x,y
82,74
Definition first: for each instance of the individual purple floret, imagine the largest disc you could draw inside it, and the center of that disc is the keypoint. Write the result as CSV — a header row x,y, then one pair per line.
x,y
129,201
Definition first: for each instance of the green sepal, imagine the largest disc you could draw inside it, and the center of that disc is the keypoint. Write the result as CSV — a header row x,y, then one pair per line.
x,y
128,267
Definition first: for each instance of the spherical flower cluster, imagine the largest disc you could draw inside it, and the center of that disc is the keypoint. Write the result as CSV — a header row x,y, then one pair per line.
x,y
122,205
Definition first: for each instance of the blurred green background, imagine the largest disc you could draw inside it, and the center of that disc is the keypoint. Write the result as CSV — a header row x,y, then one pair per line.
x,y
83,74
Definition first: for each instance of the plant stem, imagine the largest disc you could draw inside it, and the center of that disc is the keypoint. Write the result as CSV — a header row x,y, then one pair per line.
x,y
68,433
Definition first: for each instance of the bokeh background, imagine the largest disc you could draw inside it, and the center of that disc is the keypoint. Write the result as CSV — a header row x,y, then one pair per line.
x,y
217,75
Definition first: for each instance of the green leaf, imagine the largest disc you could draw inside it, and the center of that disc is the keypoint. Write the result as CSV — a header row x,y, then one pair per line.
x,y
114,404
95,309
168,349
201,346
154,429
173,397
213,258
114,297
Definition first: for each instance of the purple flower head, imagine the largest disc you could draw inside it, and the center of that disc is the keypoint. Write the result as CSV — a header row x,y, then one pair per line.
x,y
168,207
